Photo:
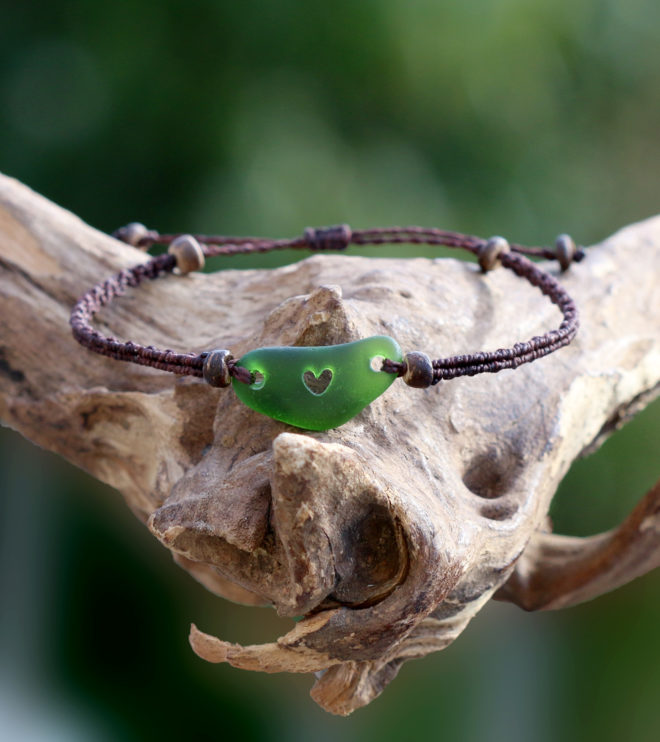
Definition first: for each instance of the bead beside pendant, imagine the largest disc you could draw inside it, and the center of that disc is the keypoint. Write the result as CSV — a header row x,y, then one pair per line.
x,y
419,370
216,368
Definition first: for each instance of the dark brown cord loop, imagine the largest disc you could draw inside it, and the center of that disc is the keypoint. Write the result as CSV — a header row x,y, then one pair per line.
x,y
240,373
393,367
538,346
103,293
331,238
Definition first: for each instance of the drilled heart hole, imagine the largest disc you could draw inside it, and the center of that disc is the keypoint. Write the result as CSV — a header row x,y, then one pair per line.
x,y
317,384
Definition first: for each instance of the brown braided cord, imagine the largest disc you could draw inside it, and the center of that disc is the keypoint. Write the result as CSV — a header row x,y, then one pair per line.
x,y
538,346
327,238
103,293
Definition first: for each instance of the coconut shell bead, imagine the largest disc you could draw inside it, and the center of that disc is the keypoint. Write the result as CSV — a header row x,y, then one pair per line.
x,y
216,368
565,250
419,370
132,234
490,252
188,253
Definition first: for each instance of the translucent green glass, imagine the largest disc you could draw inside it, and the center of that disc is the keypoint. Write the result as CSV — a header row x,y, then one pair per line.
x,y
319,387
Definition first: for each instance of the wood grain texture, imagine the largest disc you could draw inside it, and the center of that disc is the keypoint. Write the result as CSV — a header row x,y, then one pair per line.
x,y
389,533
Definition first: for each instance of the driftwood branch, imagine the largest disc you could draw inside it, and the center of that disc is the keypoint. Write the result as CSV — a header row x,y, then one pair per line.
x,y
389,533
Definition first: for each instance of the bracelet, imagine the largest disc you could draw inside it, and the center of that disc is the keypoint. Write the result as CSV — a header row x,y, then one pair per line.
x,y
318,388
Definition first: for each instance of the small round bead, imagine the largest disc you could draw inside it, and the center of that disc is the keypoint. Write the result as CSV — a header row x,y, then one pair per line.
x,y
490,252
132,233
188,253
565,250
216,370
419,371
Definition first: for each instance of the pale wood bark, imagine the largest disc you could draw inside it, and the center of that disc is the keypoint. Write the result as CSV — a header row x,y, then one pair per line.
x,y
389,533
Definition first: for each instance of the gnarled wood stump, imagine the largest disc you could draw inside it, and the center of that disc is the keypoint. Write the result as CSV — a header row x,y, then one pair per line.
x,y
389,533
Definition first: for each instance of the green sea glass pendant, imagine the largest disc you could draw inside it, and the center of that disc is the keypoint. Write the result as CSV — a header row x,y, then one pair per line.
x,y
320,387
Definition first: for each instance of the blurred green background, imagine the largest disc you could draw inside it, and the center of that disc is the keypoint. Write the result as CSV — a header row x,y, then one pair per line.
x,y
519,117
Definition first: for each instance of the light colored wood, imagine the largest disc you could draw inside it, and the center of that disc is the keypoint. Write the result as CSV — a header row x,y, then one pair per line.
x,y
393,529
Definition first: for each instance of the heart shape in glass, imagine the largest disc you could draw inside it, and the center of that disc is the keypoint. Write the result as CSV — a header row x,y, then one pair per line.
x,y
317,384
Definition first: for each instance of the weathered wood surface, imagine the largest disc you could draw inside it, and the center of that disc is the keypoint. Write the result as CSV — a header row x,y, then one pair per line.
x,y
389,533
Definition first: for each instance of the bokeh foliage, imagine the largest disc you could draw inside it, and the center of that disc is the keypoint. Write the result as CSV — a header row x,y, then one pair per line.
x,y
520,117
